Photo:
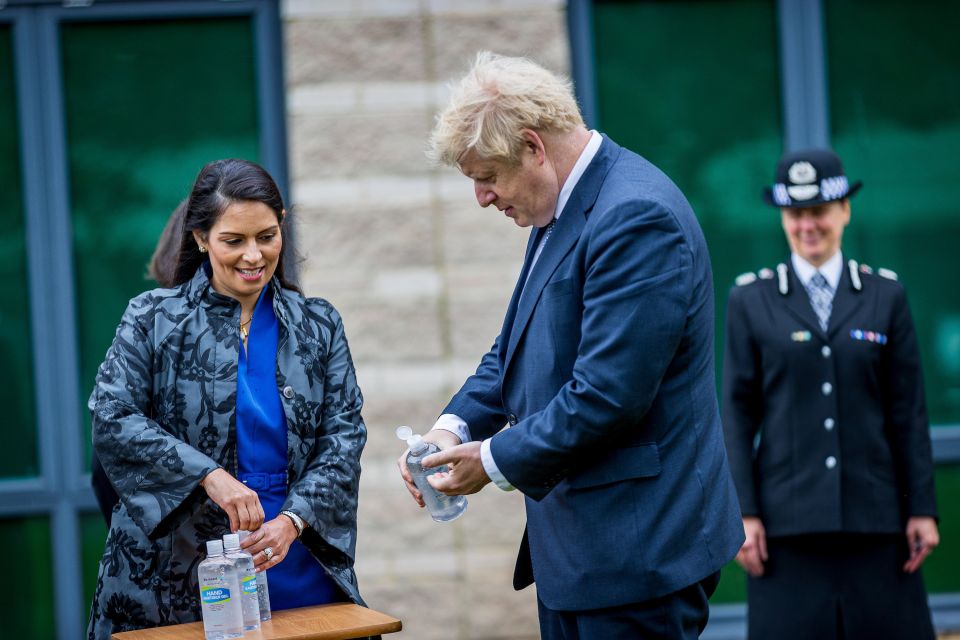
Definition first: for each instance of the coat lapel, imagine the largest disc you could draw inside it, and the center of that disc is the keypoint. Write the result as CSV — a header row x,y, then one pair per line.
x,y
564,237
505,331
798,303
845,302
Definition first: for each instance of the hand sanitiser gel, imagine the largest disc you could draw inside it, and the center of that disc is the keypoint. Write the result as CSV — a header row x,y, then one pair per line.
x,y
243,561
443,508
219,595
263,591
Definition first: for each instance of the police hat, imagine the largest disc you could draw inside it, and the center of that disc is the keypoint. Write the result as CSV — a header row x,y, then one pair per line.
x,y
809,178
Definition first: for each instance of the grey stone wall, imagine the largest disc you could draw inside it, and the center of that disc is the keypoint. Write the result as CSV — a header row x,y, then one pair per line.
x,y
420,272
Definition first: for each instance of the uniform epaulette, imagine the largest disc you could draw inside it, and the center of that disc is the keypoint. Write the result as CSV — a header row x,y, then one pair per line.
x,y
749,277
887,273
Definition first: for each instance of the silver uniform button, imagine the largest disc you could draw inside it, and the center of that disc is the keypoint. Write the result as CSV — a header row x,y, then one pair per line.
x,y
827,388
288,392
825,351
831,462
828,424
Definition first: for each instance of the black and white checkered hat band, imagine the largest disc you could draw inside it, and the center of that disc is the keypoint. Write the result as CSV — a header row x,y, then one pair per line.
x,y
833,188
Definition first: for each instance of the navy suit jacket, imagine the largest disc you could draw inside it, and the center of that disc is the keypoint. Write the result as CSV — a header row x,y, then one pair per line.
x,y
604,370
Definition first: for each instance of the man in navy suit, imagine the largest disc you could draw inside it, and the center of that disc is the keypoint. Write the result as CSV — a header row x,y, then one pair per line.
x,y
603,368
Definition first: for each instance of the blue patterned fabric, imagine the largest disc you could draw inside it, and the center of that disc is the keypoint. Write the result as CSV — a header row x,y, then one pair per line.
x,y
299,580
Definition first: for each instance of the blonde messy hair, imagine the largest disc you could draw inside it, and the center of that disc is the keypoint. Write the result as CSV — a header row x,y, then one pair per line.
x,y
498,98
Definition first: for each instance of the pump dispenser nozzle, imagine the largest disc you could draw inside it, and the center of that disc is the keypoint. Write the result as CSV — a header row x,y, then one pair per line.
x,y
414,441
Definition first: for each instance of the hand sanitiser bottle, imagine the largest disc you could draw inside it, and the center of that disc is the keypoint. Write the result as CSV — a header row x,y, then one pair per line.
x,y
243,561
443,508
263,591
219,595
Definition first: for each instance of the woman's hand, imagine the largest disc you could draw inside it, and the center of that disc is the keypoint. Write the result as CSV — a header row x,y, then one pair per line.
x,y
753,553
240,502
276,535
922,537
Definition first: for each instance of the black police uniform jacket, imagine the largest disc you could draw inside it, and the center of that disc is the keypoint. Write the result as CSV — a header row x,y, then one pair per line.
x,y
826,431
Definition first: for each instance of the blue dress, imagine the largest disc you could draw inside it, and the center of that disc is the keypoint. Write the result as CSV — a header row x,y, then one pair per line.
x,y
299,580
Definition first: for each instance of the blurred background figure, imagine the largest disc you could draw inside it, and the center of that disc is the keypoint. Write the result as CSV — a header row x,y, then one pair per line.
x,y
826,428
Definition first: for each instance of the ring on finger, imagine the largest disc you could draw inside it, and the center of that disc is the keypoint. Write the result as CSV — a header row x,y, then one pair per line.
x,y
268,553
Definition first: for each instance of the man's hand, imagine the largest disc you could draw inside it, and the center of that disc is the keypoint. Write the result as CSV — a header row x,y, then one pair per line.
x,y
465,474
922,537
240,502
753,553
440,437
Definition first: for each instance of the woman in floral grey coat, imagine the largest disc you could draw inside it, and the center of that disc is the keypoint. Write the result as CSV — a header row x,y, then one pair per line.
x,y
230,371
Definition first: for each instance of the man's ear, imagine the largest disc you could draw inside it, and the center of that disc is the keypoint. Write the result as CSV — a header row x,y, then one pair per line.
x,y
533,144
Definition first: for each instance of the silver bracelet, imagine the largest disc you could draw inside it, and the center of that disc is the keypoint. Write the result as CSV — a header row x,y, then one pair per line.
x,y
296,520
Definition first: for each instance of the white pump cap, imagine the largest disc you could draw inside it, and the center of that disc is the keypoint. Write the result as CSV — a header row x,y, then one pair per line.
x,y
231,541
214,548
414,441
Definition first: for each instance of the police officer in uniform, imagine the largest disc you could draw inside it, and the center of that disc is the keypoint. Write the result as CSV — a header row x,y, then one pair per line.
x,y
826,429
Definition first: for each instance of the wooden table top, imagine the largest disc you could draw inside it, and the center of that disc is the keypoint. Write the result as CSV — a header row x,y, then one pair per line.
x,y
321,622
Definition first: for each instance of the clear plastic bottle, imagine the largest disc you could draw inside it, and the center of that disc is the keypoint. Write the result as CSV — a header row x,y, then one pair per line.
x,y
219,595
243,561
263,591
442,508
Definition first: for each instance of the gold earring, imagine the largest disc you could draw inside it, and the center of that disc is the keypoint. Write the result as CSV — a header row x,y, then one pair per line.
x,y
202,248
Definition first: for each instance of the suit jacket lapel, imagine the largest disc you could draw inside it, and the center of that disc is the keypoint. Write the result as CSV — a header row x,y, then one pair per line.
x,y
564,237
798,303
845,302
505,331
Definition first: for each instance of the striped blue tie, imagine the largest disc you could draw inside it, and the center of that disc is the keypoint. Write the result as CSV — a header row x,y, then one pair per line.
x,y
821,298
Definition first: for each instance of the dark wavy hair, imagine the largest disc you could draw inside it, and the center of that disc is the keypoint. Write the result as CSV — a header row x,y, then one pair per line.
x,y
163,262
218,185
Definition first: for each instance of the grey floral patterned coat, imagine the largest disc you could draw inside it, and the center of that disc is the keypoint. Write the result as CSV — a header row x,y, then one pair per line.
x,y
164,415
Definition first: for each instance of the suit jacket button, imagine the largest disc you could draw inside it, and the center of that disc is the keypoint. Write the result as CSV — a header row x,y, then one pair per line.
x,y
512,419
288,392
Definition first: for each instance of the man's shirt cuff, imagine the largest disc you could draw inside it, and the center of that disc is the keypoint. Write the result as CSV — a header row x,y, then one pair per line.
x,y
486,457
454,424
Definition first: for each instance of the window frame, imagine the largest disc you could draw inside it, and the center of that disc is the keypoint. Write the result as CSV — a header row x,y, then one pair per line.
x,y
62,490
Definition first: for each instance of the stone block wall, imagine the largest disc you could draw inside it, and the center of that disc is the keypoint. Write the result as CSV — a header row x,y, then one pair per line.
x,y
420,273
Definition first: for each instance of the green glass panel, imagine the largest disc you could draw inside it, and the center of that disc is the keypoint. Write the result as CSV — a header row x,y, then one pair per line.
x,y
895,120
694,88
93,535
27,595
733,585
147,104
940,571
18,456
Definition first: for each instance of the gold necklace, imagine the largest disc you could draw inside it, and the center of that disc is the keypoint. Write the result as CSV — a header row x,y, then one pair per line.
x,y
245,329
